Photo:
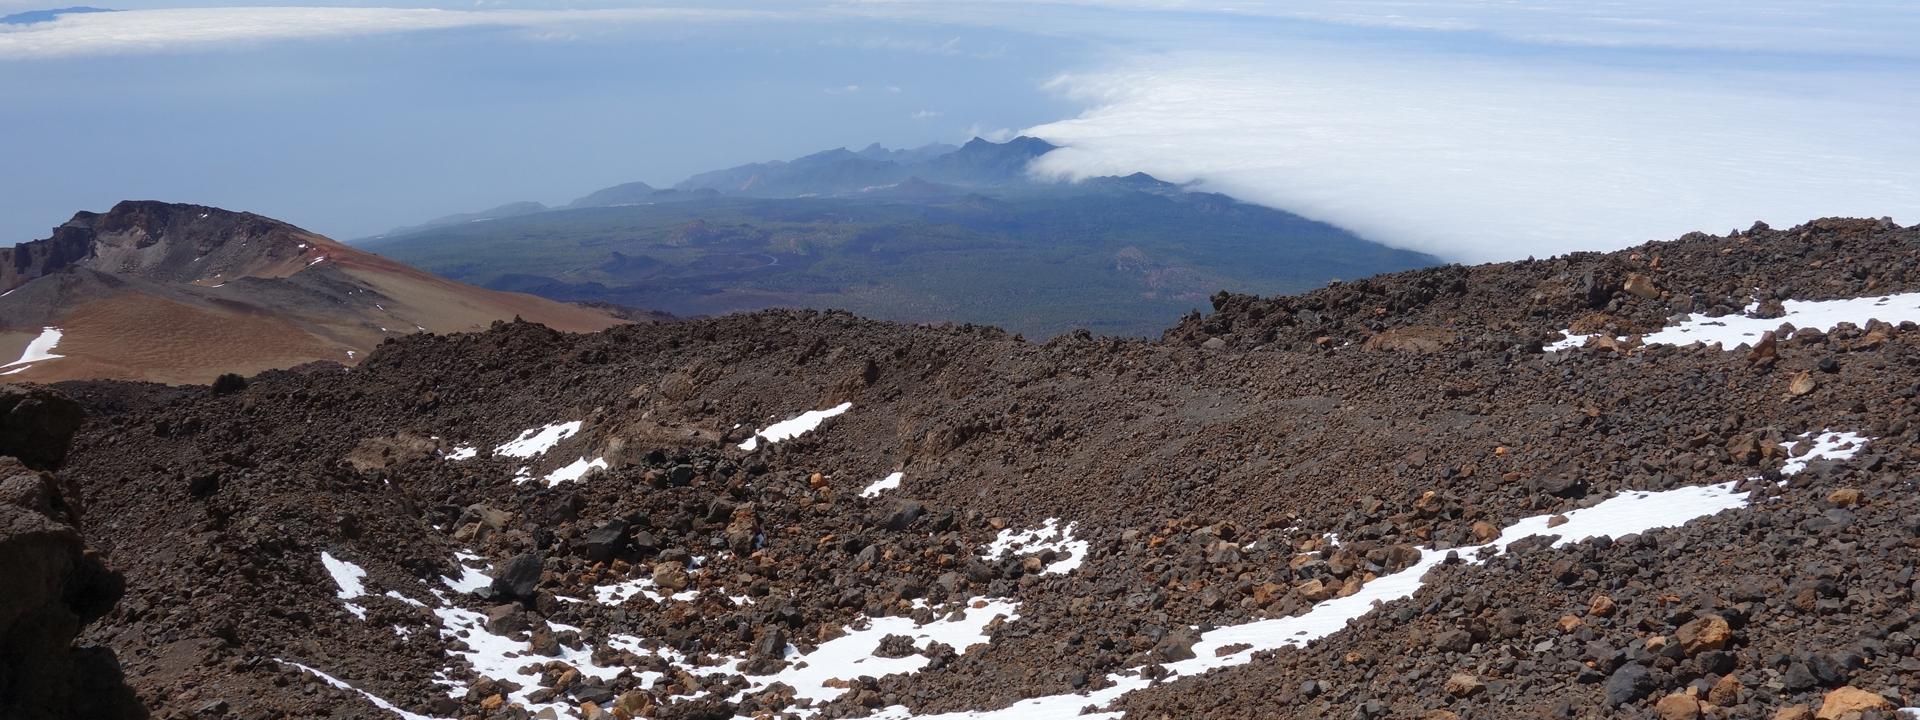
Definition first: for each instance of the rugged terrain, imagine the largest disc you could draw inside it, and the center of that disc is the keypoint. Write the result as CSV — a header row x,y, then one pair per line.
x,y
55,584
1411,495
1119,256
937,234
184,293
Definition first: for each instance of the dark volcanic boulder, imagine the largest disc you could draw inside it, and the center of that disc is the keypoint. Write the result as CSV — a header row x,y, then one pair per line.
x,y
37,424
519,578
54,584
607,540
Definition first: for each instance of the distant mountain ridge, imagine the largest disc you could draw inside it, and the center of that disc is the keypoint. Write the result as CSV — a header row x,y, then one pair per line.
x,y
39,16
1115,255
513,209
980,164
932,234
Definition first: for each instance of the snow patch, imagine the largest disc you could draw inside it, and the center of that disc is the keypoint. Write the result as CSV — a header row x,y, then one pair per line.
x,y
890,483
41,348
851,656
402,598
575,471
463,452
538,440
1048,537
348,576
1827,445
500,657
1626,514
336,682
792,428
1729,331
468,580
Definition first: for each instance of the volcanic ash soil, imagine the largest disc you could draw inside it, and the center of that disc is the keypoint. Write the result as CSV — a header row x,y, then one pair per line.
x,y
1455,492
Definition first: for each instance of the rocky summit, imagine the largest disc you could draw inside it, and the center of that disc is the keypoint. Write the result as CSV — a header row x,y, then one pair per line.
x,y
176,293
1673,481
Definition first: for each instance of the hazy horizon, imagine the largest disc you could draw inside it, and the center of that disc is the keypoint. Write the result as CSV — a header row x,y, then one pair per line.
x,y
1470,130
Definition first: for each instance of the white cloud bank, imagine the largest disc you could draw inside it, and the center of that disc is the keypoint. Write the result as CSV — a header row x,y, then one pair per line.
x,y
1864,27
192,29
1478,160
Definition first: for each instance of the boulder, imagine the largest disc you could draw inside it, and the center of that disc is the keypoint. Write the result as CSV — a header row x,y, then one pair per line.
x,y
1421,339
519,579
1726,692
55,586
1678,706
1701,634
37,425
1641,286
1628,684
670,576
1602,606
1842,701
606,541
1462,685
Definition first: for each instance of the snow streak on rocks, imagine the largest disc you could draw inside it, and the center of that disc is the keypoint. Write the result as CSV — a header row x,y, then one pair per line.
x,y
469,579
538,440
336,682
1050,541
348,576
578,469
1826,445
851,656
890,482
1628,513
1730,331
794,427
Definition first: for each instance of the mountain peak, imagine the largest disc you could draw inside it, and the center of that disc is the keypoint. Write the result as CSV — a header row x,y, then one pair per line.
x,y
182,293
39,16
168,242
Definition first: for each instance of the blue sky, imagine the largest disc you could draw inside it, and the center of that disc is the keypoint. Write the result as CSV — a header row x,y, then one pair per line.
x,y
1475,130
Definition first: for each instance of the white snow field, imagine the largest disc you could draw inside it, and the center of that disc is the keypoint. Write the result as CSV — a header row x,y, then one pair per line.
x,y
40,348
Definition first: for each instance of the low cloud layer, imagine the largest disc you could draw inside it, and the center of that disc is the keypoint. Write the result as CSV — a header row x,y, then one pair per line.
x,y
1478,161
1861,27
1473,130
188,29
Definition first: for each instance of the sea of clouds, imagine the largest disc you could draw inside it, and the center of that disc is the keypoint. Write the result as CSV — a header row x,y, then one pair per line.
x,y
1473,130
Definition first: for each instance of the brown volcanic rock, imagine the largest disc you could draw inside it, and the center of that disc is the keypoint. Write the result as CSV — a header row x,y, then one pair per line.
x,y
55,585
37,424
1205,481
184,293
1423,339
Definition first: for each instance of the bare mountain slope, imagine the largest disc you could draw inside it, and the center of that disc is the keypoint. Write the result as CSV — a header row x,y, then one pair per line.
x,y
1673,481
182,293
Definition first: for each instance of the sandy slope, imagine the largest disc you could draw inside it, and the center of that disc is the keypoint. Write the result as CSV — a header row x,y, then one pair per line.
x,y
181,294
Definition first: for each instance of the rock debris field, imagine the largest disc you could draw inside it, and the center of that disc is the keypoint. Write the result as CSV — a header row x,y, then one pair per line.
x,y
1673,481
